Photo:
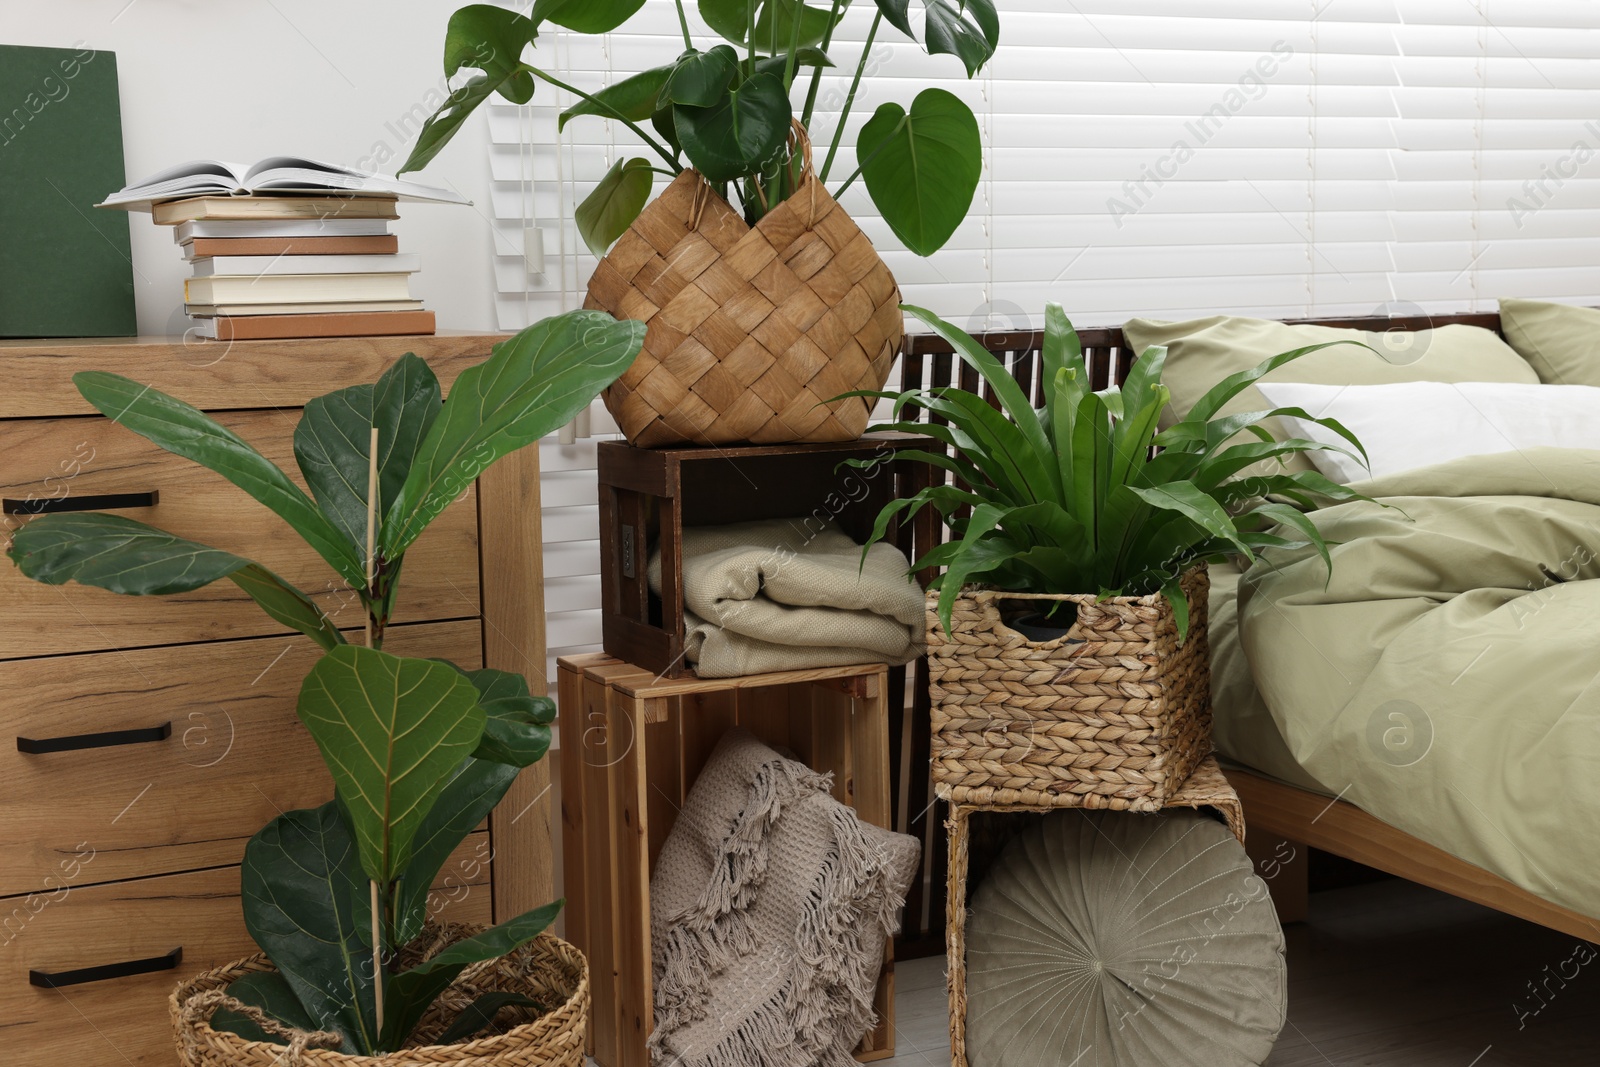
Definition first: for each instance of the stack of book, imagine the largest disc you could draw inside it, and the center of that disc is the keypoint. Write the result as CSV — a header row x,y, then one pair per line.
x,y
288,248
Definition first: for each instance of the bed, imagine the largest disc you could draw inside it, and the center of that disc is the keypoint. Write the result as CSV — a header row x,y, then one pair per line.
x,y
1287,806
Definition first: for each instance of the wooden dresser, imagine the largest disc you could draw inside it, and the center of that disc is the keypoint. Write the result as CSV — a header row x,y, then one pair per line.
x,y
146,739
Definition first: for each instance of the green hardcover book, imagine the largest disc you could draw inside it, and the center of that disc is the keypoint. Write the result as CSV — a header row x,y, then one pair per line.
x,y
66,269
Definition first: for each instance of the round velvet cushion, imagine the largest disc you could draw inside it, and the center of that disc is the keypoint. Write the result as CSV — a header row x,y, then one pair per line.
x,y
1113,939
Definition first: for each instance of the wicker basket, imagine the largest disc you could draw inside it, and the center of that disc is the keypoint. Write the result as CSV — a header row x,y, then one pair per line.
x,y
547,969
1115,714
751,330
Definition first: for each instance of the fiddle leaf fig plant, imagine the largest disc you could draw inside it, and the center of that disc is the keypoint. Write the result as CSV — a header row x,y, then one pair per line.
x,y
1087,494
420,750
729,110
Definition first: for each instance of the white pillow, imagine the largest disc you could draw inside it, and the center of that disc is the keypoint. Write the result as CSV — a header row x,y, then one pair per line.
x,y
1416,424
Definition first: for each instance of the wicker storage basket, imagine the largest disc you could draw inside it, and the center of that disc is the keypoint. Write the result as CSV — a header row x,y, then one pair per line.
x,y
751,330
548,970
1116,710
971,853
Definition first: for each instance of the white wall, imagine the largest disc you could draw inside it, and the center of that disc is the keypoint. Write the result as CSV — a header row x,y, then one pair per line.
x,y
242,79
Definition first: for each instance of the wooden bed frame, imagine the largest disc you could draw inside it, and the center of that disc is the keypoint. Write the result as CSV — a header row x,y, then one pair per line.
x,y
1284,820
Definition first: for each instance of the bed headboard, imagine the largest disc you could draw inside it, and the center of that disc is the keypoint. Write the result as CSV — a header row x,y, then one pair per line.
x,y
928,362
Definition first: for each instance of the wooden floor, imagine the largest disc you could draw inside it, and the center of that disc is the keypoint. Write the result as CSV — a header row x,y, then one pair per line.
x,y
1388,974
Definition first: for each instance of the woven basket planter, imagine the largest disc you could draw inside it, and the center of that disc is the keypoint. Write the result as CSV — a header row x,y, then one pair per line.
x,y
752,331
1116,714
548,970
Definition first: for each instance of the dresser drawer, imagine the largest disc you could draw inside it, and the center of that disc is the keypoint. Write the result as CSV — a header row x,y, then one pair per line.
x,y
124,1021
224,754
81,457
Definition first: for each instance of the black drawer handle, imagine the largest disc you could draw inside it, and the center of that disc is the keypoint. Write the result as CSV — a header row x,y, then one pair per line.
x,y
39,745
101,502
57,979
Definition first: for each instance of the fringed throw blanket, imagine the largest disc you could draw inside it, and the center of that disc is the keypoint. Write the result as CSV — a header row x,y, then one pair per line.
x,y
768,912
777,596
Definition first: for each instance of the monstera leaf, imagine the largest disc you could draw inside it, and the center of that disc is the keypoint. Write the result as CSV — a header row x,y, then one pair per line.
x,y
967,29
123,555
392,731
632,98
922,167
586,16
442,125
298,880
773,24
608,211
490,38
487,38
803,57
532,384
700,78
741,132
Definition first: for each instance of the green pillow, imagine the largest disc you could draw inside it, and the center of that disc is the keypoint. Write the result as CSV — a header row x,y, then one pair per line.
x,y
1201,352
1111,939
1561,341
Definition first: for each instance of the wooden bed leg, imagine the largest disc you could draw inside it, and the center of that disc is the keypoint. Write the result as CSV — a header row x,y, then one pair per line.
x,y
1282,865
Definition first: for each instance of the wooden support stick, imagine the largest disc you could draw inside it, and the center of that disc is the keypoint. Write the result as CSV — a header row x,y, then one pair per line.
x,y
372,526
372,522
377,957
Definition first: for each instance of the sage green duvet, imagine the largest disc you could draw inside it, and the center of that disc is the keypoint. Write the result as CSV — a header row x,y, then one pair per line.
x,y
1447,678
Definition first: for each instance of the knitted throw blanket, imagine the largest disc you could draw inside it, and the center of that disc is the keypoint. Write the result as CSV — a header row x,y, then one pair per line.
x,y
775,596
769,908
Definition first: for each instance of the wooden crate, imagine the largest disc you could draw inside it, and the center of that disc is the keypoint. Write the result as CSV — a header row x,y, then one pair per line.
x,y
632,743
652,494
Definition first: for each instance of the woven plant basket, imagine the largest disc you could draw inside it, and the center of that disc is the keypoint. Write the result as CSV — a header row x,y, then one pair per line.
x,y
751,331
548,970
1115,714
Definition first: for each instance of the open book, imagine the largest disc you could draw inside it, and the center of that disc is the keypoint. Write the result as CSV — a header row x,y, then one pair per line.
x,y
273,175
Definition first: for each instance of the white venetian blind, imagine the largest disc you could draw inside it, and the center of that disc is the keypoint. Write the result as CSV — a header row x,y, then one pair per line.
x,y
1154,157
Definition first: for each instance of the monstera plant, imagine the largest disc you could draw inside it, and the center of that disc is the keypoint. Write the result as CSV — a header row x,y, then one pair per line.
x,y
420,751
728,110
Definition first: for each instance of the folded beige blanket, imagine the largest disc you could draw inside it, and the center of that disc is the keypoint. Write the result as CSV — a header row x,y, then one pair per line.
x,y
773,596
769,908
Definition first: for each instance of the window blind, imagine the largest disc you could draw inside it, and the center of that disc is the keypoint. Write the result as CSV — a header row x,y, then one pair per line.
x,y
1148,157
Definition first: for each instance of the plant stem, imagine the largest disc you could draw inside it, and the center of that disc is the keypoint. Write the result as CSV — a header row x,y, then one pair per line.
x,y
861,164
683,20
612,113
760,206
782,183
794,46
750,32
849,101
816,72
848,182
